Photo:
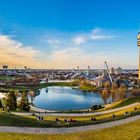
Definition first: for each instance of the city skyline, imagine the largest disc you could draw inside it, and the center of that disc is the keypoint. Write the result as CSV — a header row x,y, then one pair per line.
x,y
67,34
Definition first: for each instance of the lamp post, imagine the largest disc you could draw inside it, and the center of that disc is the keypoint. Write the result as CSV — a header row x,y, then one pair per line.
x,y
138,44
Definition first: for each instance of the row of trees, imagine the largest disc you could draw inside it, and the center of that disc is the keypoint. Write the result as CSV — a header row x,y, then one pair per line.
x,y
11,102
114,91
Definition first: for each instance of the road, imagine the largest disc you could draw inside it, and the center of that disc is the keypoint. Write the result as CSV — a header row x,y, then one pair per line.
x,y
79,114
31,130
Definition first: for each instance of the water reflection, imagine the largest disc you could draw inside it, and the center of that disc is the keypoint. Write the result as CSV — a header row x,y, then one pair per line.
x,y
64,98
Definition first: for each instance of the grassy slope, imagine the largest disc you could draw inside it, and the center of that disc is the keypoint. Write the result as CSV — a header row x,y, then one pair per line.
x,y
86,120
127,102
129,131
13,120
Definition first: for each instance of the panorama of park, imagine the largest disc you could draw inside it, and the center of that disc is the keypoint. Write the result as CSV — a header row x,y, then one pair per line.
x,y
69,70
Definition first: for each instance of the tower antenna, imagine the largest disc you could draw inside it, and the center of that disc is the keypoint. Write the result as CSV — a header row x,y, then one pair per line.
x,y
108,72
138,44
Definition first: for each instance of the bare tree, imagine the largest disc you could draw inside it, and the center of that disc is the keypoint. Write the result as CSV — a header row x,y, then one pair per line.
x,y
122,91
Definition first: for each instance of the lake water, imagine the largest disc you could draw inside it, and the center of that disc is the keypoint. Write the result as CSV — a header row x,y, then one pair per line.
x,y
65,98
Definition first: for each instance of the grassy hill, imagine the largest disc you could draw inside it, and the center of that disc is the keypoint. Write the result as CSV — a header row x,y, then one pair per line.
x,y
129,131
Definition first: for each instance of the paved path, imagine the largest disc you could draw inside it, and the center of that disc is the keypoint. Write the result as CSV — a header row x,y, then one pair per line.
x,y
30,130
79,114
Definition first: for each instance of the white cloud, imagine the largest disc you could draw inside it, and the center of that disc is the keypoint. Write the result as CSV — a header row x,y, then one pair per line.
x,y
101,37
96,30
79,40
98,34
14,53
68,53
73,57
53,42
95,34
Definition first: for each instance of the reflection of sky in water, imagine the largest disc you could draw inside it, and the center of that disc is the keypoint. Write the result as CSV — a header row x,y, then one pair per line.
x,y
66,98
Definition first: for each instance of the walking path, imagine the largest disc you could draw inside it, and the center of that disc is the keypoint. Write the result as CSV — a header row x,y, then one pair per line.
x,y
30,130
78,114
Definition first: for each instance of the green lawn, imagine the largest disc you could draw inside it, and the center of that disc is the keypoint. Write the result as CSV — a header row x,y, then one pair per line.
x,y
127,102
86,120
49,121
130,131
89,88
14,120
26,88
59,84
71,84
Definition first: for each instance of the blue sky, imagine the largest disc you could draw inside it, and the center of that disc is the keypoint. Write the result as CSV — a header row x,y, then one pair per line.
x,y
67,33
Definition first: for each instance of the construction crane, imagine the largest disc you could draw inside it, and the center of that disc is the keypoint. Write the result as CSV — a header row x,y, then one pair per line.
x,y
108,72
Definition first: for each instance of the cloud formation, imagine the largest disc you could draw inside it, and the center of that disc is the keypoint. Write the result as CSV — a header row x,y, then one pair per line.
x,y
65,50
79,40
73,57
93,35
98,34
53,42
14,53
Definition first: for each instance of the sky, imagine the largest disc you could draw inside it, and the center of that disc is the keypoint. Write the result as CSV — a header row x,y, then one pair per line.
x,y
69,33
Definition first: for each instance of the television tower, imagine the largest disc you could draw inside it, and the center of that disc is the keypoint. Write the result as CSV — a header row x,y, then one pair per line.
x,y
138,44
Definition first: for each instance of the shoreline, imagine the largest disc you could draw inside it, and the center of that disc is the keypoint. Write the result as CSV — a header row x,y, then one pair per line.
x,y
43,85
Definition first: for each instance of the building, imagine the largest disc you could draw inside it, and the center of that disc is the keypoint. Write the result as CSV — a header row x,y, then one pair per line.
x,y
118,71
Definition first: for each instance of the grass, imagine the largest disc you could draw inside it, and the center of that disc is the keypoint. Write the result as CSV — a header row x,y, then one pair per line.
x,y
88,88
70,84
120,103
14,120
49,121
130,131
127,102
26,88
86,120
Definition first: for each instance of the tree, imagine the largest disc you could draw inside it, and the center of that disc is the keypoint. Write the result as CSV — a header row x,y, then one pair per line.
x,y
105,95
16,93
114,86
11,101
107,84
24,104
122,91
1,104
113,91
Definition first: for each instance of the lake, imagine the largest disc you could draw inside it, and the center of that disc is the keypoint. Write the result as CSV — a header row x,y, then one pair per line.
x,y
65,98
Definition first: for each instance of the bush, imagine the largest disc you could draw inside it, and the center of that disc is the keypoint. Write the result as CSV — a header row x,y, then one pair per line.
x,y
95,107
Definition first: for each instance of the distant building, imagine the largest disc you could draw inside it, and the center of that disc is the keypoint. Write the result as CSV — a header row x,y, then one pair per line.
x,y
112,70
100,80
118,70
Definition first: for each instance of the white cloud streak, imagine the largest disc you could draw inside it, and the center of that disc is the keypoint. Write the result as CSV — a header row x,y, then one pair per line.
x,y
79,40
14,53
53,42
95,34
